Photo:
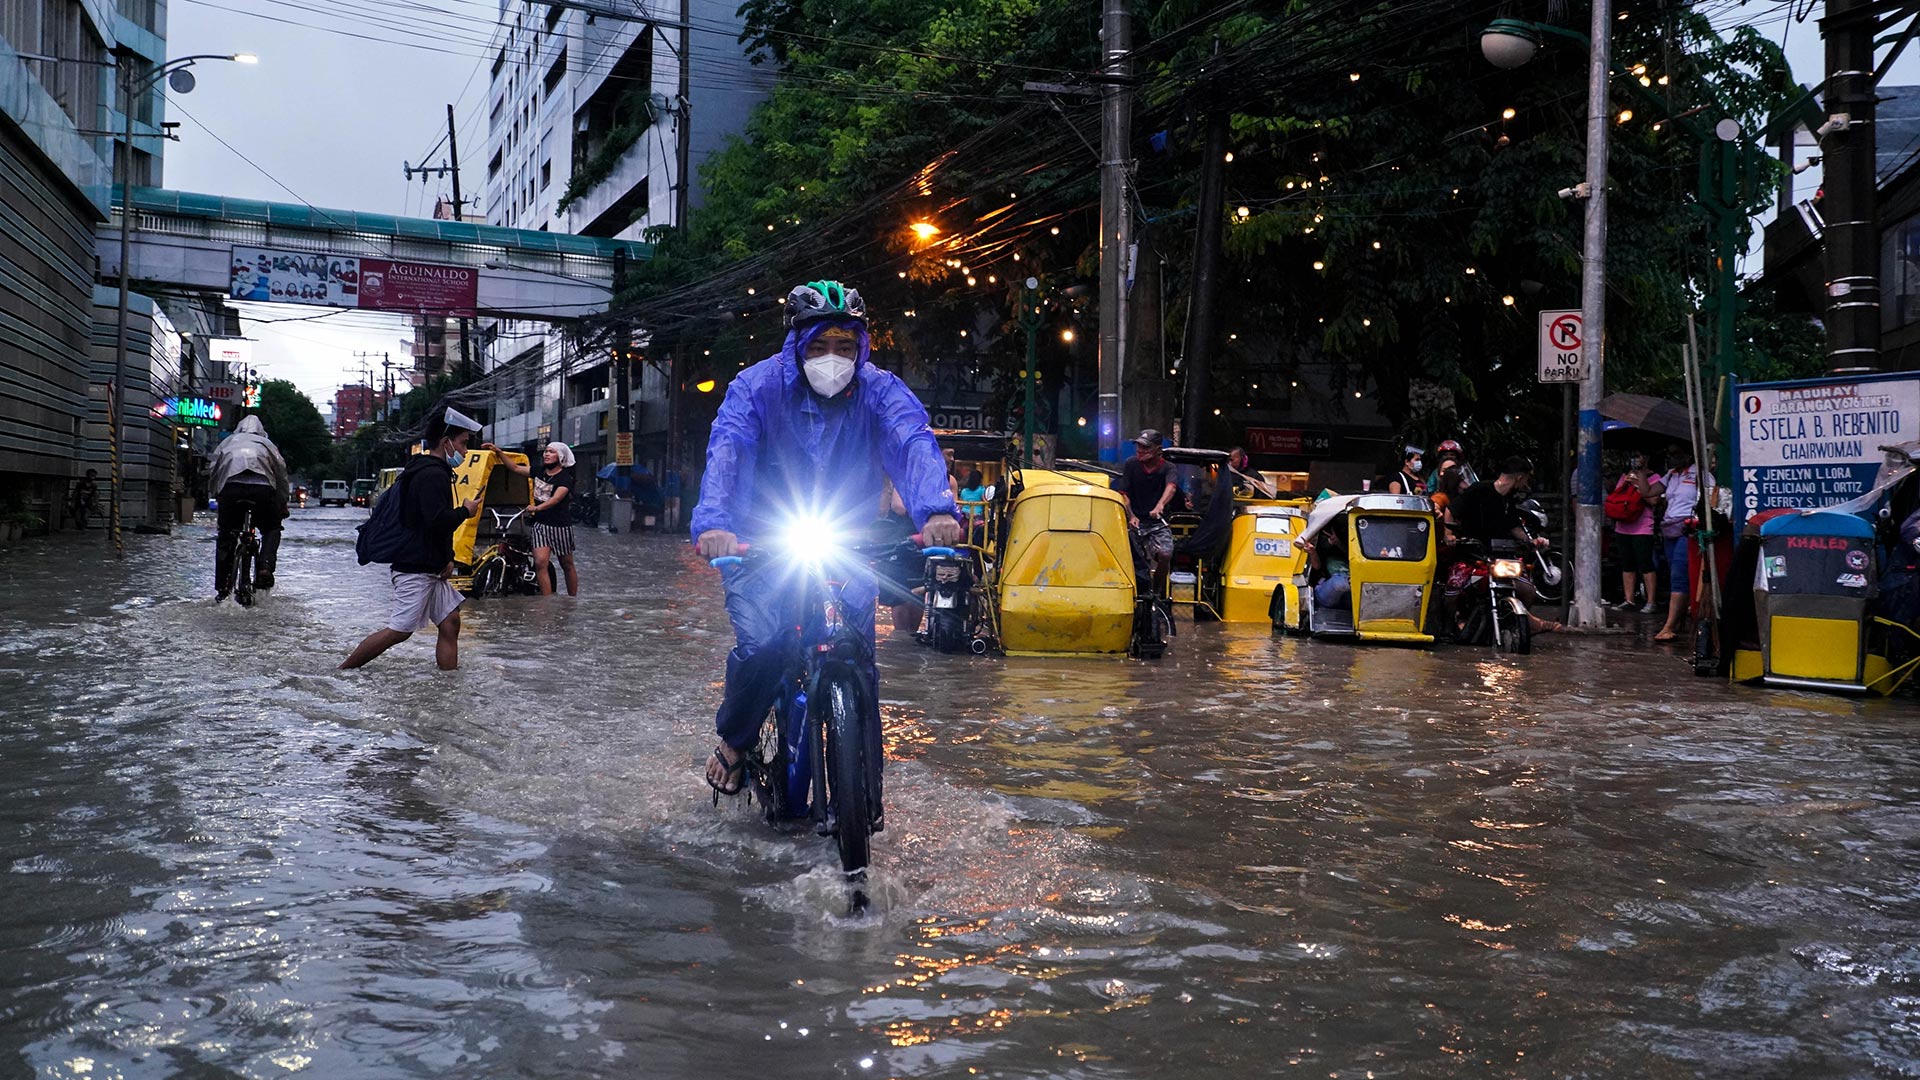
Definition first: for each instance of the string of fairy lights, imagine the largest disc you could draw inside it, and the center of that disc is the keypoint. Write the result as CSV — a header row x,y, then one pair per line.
x,y
1020,167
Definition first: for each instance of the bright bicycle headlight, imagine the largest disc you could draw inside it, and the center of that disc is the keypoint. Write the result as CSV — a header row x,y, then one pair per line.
x,y
1506,568
813,540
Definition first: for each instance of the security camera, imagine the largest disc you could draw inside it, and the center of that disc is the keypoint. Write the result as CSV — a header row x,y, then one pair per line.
x,y
1581,190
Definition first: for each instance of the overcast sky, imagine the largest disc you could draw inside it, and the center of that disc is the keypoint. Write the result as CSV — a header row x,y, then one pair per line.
x,y
332,118
327,117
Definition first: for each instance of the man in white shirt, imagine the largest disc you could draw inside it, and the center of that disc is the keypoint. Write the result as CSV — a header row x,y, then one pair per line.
x,y
1682,505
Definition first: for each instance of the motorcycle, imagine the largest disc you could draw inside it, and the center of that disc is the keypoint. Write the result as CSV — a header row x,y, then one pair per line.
x,y
1548,566
952,623
1484,600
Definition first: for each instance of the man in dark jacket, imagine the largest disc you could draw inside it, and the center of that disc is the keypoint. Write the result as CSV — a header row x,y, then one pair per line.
x,y
421,595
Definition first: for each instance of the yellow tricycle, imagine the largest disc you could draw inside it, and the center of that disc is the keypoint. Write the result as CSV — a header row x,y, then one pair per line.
x,y
492,550
1063,580
1370,572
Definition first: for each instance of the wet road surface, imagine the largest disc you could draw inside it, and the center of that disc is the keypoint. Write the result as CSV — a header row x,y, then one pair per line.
x,y
1263,856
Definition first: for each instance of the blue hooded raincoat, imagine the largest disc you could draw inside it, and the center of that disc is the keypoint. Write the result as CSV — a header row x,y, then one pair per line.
x,y
780,451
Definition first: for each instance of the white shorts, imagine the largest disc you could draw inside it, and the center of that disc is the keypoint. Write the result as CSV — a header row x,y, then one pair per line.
x,y
421,601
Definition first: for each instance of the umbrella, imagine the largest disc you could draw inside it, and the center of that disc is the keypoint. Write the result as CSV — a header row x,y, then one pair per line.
x,y
1658,415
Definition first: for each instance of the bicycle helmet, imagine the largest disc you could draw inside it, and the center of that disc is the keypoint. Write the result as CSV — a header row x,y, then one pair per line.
x,y
818,300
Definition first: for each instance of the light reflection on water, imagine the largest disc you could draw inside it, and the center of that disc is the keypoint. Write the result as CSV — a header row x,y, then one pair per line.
x,y
1259,856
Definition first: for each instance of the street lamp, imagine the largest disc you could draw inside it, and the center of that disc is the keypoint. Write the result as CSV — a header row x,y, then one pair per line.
x,y
1509,43
175,71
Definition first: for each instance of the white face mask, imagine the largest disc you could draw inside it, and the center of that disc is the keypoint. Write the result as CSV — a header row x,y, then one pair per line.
x,y
829,374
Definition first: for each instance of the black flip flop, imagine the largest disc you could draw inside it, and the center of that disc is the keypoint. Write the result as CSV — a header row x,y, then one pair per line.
x,y
731,767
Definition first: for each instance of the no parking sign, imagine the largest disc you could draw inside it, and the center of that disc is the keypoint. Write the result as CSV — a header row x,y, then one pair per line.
x,y
1563,354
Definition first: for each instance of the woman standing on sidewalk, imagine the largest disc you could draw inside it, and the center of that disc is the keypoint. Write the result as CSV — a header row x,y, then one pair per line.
x,y
1634,533
553,485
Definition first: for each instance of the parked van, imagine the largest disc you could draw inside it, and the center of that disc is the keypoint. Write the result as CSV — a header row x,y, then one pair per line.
x,y
334,493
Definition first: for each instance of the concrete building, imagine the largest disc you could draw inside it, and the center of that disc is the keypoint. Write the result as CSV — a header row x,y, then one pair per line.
x,y
588,130
356,405
58,99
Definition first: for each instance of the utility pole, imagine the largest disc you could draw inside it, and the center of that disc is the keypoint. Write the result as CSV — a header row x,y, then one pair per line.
x,y
117,393
386,367
450,167
1030,318
683,124
459,214
1593,323
366,390
1197,350
1847,147
1116,223
623,392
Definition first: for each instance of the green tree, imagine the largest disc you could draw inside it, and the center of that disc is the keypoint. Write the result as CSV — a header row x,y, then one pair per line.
x,y
1401,228
294,424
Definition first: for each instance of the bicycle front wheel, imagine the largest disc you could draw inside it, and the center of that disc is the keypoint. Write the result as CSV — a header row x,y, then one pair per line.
x,y
848,793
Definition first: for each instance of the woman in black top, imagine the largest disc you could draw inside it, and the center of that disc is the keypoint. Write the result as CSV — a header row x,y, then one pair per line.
x,y
553,485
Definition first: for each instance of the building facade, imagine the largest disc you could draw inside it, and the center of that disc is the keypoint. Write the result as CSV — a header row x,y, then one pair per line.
x,y
58,100
356,405
590,132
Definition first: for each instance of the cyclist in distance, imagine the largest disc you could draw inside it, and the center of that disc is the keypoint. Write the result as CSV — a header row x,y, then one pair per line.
x,y
807,435
248,473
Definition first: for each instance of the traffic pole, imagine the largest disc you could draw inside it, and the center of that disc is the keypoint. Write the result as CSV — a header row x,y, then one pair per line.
x,y
1847,149
1116,40
1593,324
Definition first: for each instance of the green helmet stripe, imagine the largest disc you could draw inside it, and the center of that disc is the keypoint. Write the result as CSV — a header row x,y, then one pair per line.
x,y
834,293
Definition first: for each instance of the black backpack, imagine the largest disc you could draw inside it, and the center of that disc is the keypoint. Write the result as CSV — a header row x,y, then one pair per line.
x,y
384,537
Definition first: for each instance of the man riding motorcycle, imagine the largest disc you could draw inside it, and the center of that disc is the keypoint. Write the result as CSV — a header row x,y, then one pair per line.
x,y
808,433
1489,511
248,473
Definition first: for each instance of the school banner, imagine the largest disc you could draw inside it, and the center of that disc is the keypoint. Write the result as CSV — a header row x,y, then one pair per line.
x,y
1817,442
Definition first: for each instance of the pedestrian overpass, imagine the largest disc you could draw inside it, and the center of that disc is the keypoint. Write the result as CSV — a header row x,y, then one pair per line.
x,y
185,241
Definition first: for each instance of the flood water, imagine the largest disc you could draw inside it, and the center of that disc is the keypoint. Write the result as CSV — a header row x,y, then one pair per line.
x,y
1262,856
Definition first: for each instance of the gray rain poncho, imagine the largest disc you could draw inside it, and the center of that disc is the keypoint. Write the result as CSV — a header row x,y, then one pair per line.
x,y
248,450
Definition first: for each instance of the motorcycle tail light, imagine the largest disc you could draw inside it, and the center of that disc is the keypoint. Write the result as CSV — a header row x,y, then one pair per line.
x,y
1506,568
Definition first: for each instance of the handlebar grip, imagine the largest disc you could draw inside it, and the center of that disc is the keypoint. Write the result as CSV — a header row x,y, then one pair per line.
x,y
945,552
725,560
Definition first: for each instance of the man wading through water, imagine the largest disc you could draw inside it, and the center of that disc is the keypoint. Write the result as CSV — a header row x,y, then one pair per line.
x,y
421,594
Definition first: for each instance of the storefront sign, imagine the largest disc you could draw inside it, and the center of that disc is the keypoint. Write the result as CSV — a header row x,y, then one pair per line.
x,y
233,352
623,448
1817,442
196,412
1290,442
302,277
223,393
957,418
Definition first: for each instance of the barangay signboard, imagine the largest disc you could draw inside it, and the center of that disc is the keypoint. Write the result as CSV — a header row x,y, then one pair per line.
x,y
1817,442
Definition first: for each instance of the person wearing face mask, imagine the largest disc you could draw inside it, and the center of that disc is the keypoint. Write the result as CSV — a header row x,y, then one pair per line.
x,y
810,433
1407,481
428,515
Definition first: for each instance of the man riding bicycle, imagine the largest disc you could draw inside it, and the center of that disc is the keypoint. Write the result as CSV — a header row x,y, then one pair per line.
x,y
810,433
248,473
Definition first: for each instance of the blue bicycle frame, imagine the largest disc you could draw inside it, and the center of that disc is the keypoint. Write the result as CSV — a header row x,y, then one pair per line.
x,y
822,647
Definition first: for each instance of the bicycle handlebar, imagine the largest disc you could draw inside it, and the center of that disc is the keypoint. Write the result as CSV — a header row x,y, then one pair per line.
x,y
744,552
